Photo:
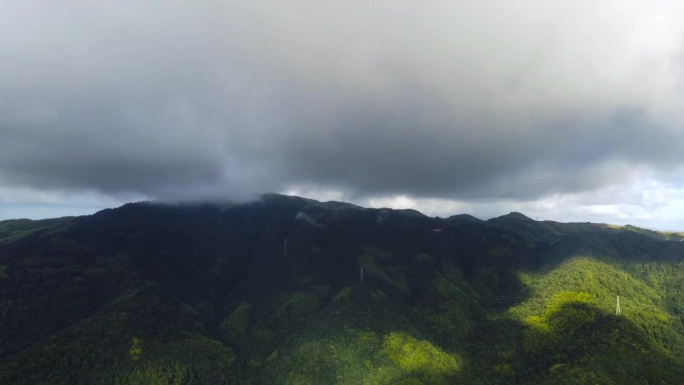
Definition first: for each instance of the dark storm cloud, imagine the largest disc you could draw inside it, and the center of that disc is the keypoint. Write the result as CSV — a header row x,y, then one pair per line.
x,y
206,99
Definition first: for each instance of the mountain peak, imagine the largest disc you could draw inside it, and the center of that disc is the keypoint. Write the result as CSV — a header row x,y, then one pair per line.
x,y
463,218
517,216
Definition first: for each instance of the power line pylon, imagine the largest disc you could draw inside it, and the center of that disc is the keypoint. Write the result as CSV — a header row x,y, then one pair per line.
x,y
617,309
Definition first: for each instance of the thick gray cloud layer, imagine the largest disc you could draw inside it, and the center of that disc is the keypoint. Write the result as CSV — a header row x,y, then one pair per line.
x,y
463,100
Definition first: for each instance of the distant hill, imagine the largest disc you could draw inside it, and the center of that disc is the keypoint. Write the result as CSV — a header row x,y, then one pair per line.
x,y
288,290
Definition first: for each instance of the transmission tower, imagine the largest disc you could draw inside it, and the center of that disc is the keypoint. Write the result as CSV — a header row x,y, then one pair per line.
x,y
617,309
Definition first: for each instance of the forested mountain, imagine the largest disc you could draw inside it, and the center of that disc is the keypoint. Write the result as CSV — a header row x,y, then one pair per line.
x,y
286,290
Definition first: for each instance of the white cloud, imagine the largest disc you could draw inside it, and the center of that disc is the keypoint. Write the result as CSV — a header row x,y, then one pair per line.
x,y
643,199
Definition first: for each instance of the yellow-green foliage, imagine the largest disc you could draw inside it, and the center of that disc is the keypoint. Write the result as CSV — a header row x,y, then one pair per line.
x,y
502,251
262,335
151,373
3,273
368,259
504,369
414,355
202,351
297,304
560,301
378,296
565,298
321,291
452,318
423,257
602,281
362,357
196,359
570,313
236,323
342,295
392,274
136,349
446,289
566,312
187,310
452,273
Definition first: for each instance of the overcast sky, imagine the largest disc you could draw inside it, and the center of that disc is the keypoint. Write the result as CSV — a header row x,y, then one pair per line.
x,y
562,110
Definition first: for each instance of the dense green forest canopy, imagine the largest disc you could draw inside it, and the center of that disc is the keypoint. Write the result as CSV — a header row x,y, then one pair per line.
x,y
286,290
